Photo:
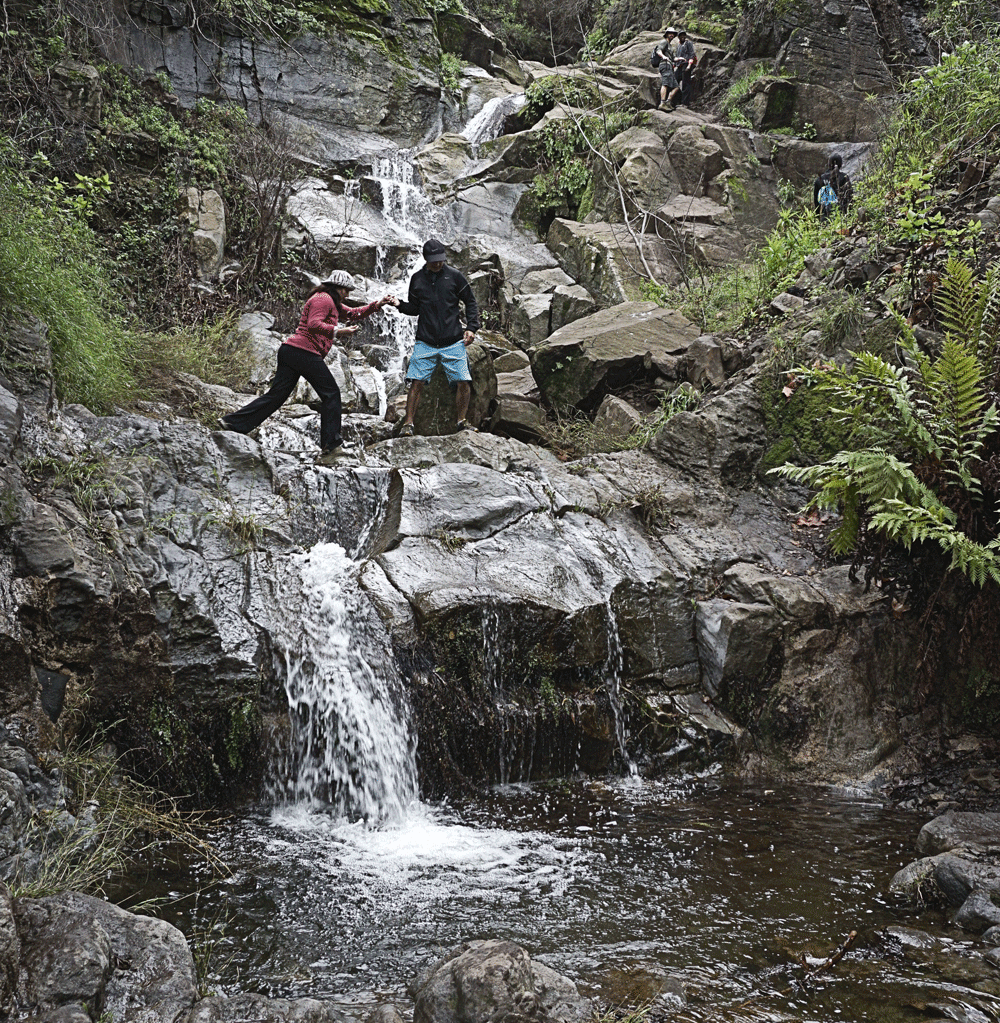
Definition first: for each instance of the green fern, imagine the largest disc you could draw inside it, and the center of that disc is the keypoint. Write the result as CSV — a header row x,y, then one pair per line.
x,y
920,428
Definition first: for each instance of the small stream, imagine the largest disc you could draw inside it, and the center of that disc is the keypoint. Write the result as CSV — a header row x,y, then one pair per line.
x,y
633,889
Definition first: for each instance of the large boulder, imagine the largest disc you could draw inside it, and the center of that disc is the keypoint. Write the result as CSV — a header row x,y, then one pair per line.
x,y
569,303
531,318
642,168
441,162
459,33
76,89
494,980
609,260
584,360
75,948
695,159
723,440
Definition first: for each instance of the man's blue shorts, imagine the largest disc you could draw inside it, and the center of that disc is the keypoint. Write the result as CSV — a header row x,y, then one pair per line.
x,y
425,358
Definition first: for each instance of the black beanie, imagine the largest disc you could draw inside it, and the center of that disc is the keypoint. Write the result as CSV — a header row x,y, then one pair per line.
x,y
433,250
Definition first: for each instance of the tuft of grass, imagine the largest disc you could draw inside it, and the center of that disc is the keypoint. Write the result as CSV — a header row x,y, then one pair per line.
x,y
741,87
48,268
217,352
681,399
116,820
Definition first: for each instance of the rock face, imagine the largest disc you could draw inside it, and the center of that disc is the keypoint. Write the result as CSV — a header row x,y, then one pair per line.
x,y
75,948
579,363
493,980
153,597
813,45
335,94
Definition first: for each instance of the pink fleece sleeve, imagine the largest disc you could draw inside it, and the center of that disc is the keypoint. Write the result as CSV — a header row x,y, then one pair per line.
x,y
360,312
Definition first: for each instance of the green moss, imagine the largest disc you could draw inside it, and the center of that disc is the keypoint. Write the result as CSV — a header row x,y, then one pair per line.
x,y
801,428
587,199
243,734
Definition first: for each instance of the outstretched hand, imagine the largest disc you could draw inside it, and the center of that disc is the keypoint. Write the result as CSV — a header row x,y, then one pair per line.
x,y
388,300
347,330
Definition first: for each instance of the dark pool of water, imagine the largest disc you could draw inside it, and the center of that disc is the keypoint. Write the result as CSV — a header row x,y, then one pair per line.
x,y
715,888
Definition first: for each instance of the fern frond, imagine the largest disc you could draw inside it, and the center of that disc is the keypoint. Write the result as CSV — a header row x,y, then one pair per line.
x,y
957,300
908,525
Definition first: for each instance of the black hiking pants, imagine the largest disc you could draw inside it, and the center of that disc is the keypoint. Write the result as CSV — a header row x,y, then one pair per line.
x,y
294,363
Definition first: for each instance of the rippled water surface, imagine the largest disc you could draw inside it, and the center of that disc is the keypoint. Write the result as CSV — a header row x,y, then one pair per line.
x,y
631,889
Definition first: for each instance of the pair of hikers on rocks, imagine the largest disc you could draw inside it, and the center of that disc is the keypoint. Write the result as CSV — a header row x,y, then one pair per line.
x,y
436,290
676,68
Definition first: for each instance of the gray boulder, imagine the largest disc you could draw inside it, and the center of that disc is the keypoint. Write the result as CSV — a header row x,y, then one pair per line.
x,y
722,440
76,89
490,981
954,830
616,418
436,412
570,302
76,948
695,159
609,261
531,318
579,363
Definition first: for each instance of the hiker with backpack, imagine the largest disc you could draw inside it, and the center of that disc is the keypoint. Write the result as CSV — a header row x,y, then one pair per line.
x,y
663,60
832,190
685,61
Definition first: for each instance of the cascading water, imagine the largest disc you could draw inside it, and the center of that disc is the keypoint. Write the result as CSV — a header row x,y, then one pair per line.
x,y
613,669
489,122
351,746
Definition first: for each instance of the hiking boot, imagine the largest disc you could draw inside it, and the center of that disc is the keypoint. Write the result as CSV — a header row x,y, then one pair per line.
x,y
406,430
333,456
464,426
221,424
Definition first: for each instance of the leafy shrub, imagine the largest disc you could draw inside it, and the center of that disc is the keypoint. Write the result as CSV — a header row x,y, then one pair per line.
x,y
49,268
941,118
919,466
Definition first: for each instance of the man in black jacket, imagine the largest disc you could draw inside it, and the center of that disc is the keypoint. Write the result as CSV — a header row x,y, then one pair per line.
x,y
435,292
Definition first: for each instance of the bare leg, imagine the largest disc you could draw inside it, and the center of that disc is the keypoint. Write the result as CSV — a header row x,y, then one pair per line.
x,y
413,399
462,394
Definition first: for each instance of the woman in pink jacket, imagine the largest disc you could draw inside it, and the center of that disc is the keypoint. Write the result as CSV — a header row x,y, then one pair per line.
x,y
304,355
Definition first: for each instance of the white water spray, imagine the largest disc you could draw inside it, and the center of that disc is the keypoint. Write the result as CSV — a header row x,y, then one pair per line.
x,y
351,744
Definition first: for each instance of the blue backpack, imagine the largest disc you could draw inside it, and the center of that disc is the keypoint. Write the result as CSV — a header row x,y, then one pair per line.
x,y
827,198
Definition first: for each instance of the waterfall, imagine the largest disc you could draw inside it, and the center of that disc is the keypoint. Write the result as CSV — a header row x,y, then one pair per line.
x,y
614,665
489,122
351,748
